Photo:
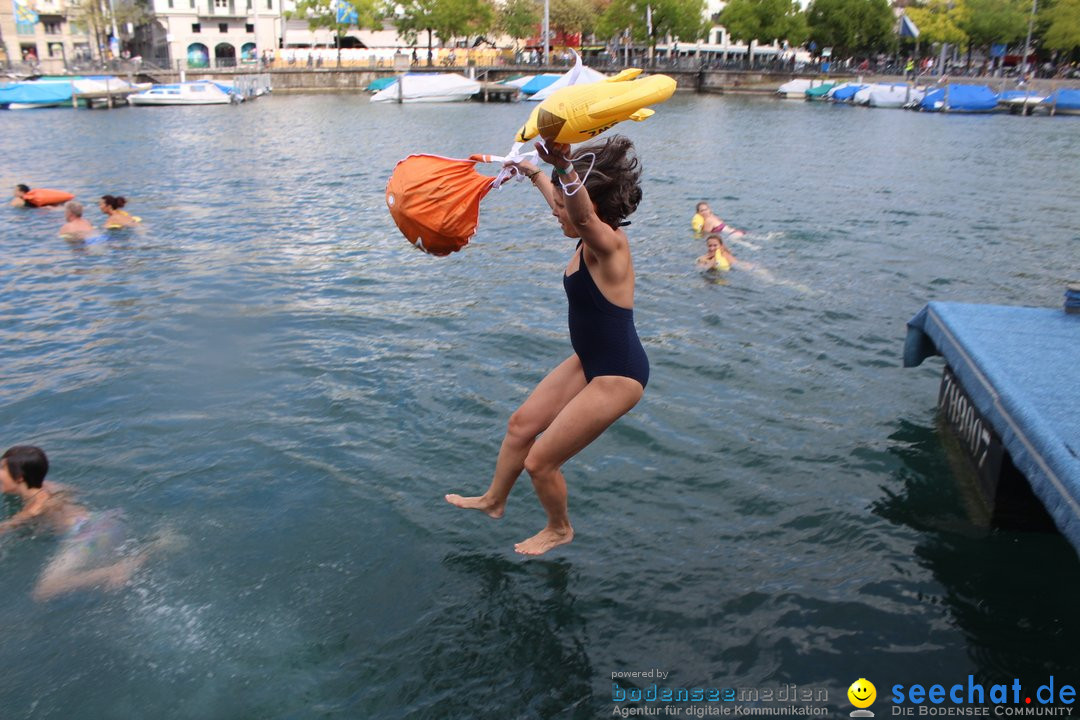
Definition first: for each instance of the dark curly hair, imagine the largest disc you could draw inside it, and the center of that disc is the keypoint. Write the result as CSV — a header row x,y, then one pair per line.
x,y
114,201
614,182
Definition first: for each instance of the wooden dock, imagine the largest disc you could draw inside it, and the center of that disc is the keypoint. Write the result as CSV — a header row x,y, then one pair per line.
x,y
111,98
497,92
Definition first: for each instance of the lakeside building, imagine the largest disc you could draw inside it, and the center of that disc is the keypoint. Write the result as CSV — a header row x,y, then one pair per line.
x,y
48,37
215,33
46,34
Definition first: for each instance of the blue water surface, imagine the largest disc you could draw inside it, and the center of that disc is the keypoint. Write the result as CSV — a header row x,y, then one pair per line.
x,y
268,371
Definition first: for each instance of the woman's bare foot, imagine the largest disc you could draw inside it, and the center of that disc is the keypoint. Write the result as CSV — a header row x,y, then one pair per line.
x,y
545,540
492,508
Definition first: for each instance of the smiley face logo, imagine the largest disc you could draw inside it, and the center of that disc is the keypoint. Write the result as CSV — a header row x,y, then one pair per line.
x,y
862,693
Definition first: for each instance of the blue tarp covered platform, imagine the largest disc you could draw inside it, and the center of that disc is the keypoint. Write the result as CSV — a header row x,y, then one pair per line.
x,y
960,98
35,93
1021,368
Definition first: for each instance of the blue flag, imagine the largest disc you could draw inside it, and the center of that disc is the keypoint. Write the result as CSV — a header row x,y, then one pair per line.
x,y
24,12
346,13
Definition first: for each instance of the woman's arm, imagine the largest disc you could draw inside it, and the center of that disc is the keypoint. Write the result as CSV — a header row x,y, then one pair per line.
x,y
540,180
597,234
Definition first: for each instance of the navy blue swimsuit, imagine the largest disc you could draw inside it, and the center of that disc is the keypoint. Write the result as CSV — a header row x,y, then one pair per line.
x,y
602,333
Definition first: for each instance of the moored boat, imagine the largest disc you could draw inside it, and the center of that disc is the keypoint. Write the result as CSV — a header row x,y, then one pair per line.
x,y
845,92
201,92
894,96
818,92
580,73
1063,101
535,83
1021,101
795,89
956,97
428,87
35,94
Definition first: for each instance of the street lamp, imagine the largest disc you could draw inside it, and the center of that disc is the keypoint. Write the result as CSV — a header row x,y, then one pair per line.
x,y
547,30
1027,43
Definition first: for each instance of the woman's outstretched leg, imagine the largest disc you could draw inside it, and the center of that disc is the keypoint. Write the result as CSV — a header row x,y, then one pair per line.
x,y
585,418
533,417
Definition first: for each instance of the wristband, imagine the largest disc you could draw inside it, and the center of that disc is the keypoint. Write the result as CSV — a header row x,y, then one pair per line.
x,y
567,171
533,174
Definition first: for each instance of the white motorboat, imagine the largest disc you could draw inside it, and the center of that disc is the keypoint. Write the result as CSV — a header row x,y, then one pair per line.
x,y
202,92
893,96
1021,101
796,89
428,87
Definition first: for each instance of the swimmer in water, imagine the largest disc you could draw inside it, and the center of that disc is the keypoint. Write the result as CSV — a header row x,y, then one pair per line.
x,y
20,194
117,218
705,220
717,255
591,192
91,540
75,226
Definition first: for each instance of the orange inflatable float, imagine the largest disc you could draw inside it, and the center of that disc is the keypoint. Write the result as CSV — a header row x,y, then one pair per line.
x,y
40,197
435,201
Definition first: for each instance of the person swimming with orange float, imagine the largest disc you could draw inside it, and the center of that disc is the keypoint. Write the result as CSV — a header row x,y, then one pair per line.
x,y
38,197
606,374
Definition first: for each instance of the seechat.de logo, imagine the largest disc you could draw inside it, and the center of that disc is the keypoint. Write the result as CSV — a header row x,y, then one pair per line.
x,y
862,694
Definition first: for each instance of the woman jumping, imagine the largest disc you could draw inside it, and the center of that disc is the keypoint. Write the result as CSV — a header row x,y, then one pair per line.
x,y
608,370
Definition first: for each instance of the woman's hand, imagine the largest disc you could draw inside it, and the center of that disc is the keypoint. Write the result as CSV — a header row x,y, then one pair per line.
x,y
557,154
526,168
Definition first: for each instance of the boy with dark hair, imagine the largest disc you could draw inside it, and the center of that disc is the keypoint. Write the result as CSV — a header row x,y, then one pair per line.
x,y
91,540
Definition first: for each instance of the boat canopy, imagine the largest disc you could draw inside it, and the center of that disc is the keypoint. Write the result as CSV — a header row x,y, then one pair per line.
x,y
538,83
35,93
819,91
846,93
960,98
430,87
1067,99
381,83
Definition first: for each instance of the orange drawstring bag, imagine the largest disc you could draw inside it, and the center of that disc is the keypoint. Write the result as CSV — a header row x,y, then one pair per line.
x,y
435,201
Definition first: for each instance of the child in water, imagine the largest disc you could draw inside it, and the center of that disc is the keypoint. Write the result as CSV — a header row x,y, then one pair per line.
x,y
91,540
717,256
705,220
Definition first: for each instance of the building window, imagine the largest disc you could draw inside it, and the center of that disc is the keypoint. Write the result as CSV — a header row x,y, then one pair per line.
x,y
248,4
196,28
222,4
269,4
192,4
51,28
249,28
170,4
198,55
223,27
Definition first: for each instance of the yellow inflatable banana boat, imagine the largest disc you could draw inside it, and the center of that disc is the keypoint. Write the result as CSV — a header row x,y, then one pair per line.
x,y
580,112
